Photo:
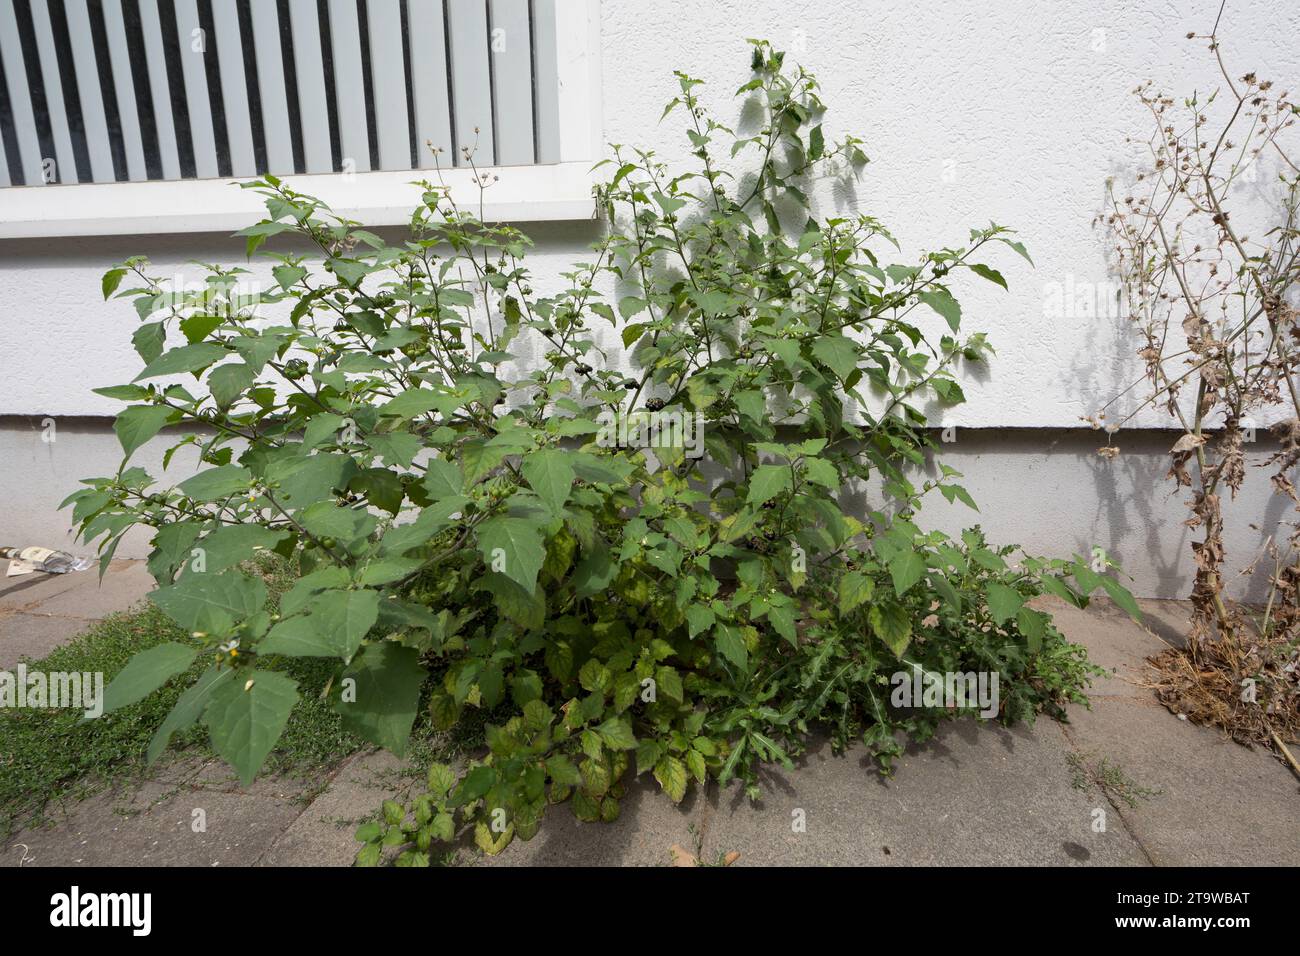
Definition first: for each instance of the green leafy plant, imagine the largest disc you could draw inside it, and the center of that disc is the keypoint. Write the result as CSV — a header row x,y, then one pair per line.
x,y
547,541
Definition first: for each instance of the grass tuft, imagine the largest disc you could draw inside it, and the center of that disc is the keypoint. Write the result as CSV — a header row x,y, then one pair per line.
x,y
51,756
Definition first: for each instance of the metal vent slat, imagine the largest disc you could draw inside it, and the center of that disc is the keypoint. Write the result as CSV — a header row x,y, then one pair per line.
x,y
391,121
234,88
21,117
349,86
310,71
160,98
510,42
62,167
428,59
124,93
471,79
272,93
137,90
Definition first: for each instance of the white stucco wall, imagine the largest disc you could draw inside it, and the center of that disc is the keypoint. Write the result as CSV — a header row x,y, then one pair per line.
x,y
971,112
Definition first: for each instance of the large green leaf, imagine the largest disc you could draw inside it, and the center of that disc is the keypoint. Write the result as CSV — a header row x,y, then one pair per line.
x,y
512,546
228,382
941,301
616,734
335,624
550,474
838,352
525,608
137,424
231,544
382,488
210,602
381,703
245,717
189,708
731,644
594,573
172,546
216,483
855,589
146,672
443,478
1122,596
307,479
1004,601
892,625
767,482
187,358
1032,624
326,519
671,774
309,585
906,568
418,401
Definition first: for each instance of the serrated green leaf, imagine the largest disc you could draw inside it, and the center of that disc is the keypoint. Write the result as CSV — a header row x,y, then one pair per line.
x,y
1122,596
1004,601
890,622
550,473
905,569
767,482
335,624
671,774
942,302
211,603
245,717
855,589
731,645
616,734
187,358
381,704
513,547
136,425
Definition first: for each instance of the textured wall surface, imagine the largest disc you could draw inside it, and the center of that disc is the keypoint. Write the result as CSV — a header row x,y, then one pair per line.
x,y
971,112
1045,490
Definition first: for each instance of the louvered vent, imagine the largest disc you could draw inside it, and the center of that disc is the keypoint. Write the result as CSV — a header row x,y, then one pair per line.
x,y
136,90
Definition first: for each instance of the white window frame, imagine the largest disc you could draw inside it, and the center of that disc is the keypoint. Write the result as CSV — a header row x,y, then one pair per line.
x,y
551,192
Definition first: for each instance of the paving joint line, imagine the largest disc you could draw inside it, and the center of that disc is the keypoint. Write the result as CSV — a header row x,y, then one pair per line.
x,y
1124,821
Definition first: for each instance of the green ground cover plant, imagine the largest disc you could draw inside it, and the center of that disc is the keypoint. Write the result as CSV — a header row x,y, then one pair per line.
x,y
608,596
50,756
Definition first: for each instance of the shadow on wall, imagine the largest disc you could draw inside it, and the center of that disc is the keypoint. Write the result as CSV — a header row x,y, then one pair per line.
x,y
1049,491
1046,490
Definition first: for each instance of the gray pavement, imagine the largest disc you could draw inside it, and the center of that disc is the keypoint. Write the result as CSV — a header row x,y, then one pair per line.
x,y
1126,783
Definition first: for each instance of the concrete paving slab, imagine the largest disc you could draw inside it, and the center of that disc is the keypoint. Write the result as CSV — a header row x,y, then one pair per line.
x,y
1221,804
647,827
1168,621
28,590
975,795
1113,640
34,635
40,612
322,834
978,794
125,584
158,824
